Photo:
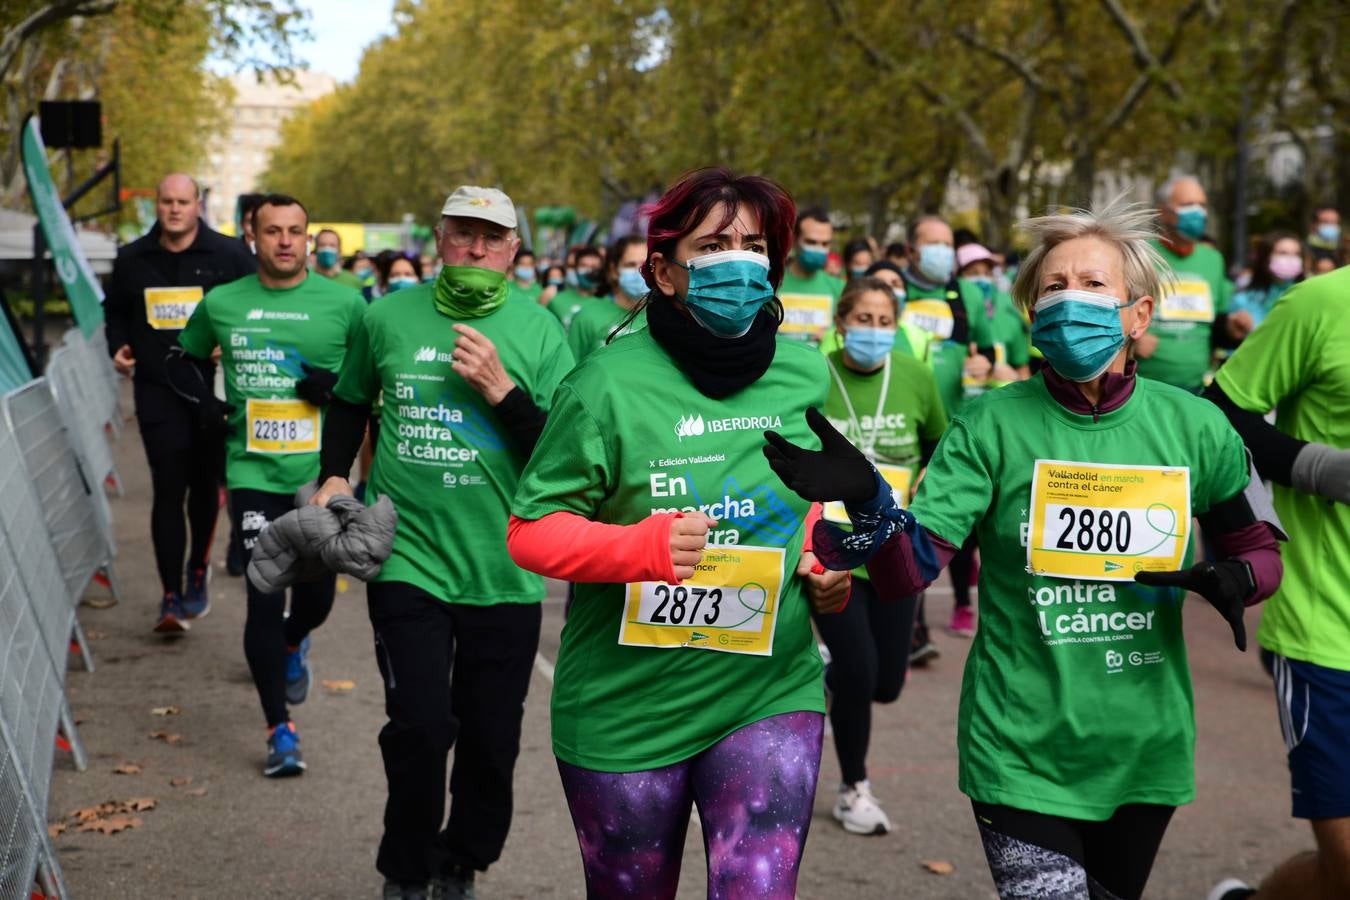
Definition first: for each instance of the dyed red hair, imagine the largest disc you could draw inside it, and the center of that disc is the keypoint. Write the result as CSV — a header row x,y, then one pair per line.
x,y
689,201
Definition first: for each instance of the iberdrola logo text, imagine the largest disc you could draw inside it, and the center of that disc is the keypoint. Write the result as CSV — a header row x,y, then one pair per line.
x,y
695,425
425,354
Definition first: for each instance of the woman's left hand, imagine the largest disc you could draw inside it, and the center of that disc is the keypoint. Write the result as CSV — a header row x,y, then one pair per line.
x,y
828,591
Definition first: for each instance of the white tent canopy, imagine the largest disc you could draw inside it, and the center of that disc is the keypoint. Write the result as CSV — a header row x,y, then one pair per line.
x,y
16,241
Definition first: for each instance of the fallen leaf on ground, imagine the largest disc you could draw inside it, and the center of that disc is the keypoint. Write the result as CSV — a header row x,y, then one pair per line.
x,y
55,828
165,711
94,635
196,792
166,737
111,825
179,782
342,585
338,685
127,769
140,804
938,867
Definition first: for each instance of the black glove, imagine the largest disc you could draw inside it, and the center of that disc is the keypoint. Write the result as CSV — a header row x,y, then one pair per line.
x,y
317,385
213,417
1225,584
838,471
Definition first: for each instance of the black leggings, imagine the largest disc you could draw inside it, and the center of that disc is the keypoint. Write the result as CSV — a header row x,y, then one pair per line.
x,y
268,631
1035,855
962,570
869,656
182,470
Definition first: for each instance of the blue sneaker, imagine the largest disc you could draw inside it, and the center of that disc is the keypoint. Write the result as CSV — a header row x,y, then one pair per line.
x,y
283,752
299,676
196,602
172,617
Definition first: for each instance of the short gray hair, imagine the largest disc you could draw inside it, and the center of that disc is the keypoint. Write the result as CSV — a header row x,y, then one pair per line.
x,y
1163,195
1128,226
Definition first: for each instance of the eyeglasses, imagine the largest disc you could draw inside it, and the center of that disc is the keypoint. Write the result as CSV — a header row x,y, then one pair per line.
x,y
463,236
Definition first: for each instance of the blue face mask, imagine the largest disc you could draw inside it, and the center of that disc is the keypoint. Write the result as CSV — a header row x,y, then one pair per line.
x,y
326,257
1079,332
727,289
555,282
900,300
524,273
936,261
632,283
403,281
869,347
812,259
1191,221
1329,233
856,273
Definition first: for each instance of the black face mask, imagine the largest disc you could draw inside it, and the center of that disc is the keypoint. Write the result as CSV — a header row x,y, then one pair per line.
x,y
718,367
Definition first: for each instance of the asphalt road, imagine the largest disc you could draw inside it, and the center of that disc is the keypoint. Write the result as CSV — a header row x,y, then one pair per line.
x,y
315,836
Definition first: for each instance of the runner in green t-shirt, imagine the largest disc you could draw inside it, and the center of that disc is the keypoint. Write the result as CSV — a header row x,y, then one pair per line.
x,y
886,403
567,303
599,323
808,293
524,280
1298,363
328,259
688,671
1081,483
282,334
1192,317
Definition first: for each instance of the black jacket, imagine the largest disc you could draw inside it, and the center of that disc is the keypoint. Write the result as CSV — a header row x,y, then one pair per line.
x,y
212,259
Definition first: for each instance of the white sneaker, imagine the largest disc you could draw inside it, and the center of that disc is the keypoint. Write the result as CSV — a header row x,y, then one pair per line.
x,y
1228,886
858,811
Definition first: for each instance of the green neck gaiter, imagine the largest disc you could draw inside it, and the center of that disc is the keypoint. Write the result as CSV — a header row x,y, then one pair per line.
x,y
468,292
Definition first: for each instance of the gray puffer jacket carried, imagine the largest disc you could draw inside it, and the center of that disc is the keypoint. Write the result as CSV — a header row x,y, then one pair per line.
x,y
308,542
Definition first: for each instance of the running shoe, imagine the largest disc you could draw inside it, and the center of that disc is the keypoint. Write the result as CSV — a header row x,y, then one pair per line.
x,y
922,649
299,676
283,752
1231,889
858,811
457,885
173,619
963,622
196,602
394,890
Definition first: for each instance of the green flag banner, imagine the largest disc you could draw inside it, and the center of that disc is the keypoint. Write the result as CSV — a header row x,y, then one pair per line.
x,y
13,367
72,267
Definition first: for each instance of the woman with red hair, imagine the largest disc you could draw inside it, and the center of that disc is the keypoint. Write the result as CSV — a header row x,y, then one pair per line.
x,y
688,673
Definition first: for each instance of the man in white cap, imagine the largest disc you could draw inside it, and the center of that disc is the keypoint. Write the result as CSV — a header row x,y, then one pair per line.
x,y
466,379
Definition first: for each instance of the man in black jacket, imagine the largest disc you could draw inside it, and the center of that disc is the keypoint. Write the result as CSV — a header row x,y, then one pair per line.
x,y
157,282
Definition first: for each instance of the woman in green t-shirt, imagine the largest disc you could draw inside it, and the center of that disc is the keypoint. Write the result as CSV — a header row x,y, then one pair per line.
x,y
688,672
1076,731
886,402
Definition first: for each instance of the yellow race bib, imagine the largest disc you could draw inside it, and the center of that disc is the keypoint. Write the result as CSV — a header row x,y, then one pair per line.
x,y
170,308
806,314
898,477
731,604
282,426
1107,522
933,316
1189,301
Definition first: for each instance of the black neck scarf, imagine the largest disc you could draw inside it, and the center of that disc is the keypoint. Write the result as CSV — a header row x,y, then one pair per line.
x,y
718,367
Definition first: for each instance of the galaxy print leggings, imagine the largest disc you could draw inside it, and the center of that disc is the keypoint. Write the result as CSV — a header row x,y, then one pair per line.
x,y
754,789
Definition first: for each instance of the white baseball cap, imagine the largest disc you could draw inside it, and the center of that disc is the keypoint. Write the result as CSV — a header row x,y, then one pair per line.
x,y
489,204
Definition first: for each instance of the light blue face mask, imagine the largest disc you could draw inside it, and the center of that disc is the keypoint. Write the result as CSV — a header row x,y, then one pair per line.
x,y
403,281
869,347
936,262
326,257
632,283
1191,221
727,289
1079,332
1329,232
812,259
524,273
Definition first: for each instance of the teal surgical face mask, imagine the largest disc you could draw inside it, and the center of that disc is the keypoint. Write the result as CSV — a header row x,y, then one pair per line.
x,y
326,257
1079,332
403,281
1191,221
812,259
727,289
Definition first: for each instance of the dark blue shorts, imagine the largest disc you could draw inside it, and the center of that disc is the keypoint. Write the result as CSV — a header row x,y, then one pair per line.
x,y
1314,707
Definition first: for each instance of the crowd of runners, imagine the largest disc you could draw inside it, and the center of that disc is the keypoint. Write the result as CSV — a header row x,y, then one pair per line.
x,y
749,447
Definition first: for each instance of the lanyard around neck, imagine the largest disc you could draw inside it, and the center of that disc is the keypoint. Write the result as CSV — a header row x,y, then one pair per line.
x,y
868,441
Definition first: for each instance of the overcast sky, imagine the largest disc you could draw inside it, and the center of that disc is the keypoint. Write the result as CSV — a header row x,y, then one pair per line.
x,y
342,28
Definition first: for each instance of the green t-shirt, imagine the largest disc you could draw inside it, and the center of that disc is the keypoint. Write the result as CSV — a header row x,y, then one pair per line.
x,y
1298,362
344,278
1076,697
1183,318
808,304
265,336
592,327
528,293
444,458
929,308
566,304
1009,332
628,436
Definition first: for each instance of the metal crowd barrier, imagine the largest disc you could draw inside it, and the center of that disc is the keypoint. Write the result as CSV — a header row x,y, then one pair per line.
x,y
77,404
99,375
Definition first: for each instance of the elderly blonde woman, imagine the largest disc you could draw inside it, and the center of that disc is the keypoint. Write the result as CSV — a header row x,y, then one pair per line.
x,y
1076,730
